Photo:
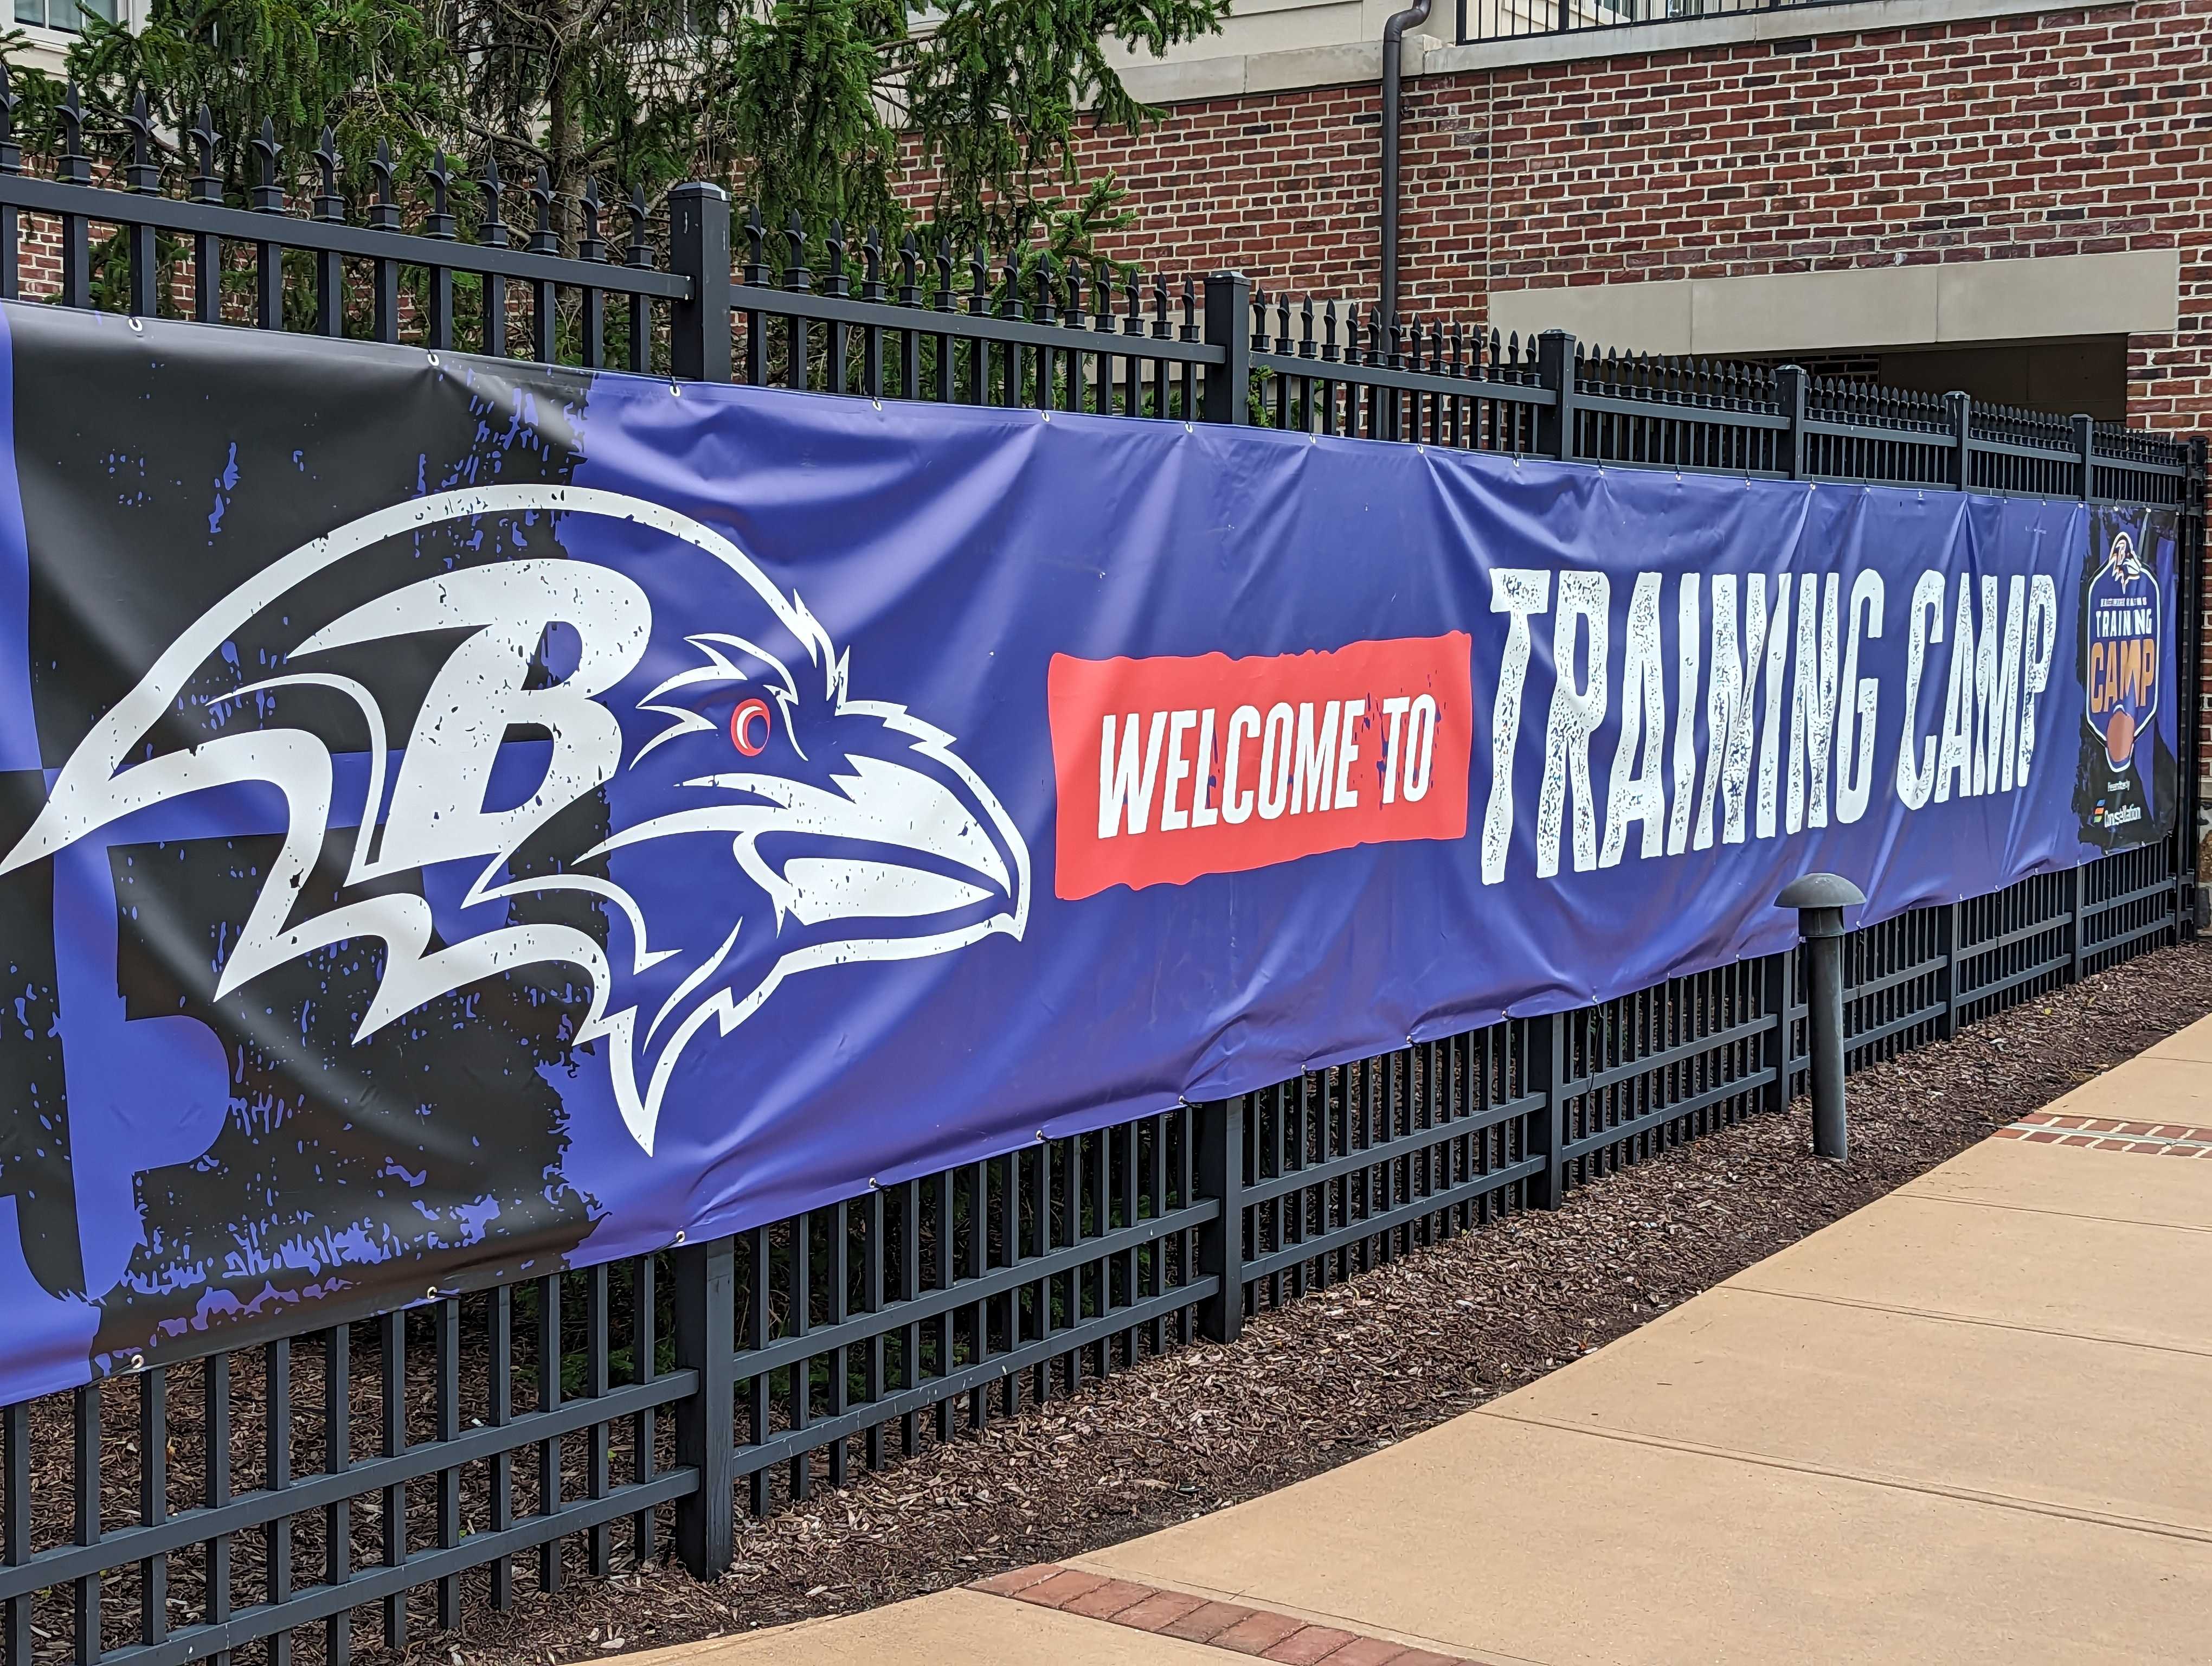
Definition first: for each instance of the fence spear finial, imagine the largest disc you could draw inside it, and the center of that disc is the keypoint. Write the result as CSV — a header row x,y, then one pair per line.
x,y
142,176
73,167
440,175
383,212
590,245
267,195
328,204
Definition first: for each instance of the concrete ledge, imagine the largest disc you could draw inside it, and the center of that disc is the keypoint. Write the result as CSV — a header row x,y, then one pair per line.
x,y
1233,77
2134,293
1233,74
1792,23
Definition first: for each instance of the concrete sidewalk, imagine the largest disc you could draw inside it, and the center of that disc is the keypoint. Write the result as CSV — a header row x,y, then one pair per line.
x,y
1971,1421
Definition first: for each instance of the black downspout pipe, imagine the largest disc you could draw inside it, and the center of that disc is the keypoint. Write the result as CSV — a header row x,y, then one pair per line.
x,y
1393,35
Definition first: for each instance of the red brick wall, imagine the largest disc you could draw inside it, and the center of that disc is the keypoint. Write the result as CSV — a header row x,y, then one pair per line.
x,y
2074,132
2071,133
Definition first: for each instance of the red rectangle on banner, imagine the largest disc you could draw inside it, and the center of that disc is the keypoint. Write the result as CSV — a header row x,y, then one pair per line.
x,y
1172,768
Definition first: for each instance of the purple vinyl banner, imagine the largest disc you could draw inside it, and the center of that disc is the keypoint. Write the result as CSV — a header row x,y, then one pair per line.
x,y
462,819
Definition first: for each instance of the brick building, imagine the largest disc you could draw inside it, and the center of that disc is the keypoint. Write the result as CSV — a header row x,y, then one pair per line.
x,y
2010,199
1979,194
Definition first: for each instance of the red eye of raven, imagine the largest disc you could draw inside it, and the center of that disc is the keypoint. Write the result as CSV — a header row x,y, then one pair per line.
x,y
751,715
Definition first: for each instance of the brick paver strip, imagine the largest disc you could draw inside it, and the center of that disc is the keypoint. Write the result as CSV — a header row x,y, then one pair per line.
x,y
1108,1600
1207,1621
1063,1587
1257,1632
1005,1584
1159,1611
1229,1626
1369,1651
2139,1139
1311,1645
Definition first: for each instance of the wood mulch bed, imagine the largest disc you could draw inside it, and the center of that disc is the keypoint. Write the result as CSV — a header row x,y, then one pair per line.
x,y
1384,1355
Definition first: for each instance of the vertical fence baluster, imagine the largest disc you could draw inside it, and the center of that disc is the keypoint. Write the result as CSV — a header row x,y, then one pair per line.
x,y
276,1447
550,1569
268,258
800,1413
73,167
1156,1157
491,233
834,282
871,334
446,1361
871,1301
979,1261
11,230
645,1342
639,258
759,1329
329,208
910,1292
942,1244
215,1419
144,179
84,1470
16,1633
337,1458
592,304
909,297
153,1500
384,272
599,1538
498,1412
1010,1241
439,226
544,313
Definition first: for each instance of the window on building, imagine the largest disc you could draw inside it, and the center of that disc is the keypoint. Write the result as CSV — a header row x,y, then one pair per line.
x,y
69,14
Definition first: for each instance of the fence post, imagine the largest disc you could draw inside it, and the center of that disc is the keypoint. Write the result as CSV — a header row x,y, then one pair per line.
x,y
699,249
1775,977
1227,397
1219,1128
1962,434
1789,389
1948,1025
2084,443
707,1342
1555,369
2081,917
1545,1071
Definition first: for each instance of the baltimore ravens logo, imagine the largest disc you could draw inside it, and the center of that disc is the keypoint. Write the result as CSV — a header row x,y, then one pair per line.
x,y
763,821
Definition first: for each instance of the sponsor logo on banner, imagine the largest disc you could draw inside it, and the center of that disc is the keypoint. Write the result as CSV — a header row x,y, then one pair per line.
x,y
1172,768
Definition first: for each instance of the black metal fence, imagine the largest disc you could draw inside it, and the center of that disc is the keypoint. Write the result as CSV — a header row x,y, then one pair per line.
x,y
360,1473
1508,20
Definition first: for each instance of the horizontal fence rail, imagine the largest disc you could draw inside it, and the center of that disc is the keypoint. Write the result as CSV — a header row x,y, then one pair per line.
x,y
380,1472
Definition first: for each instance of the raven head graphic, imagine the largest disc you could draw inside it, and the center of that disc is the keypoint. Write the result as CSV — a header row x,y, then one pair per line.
x,y
762,821
792,826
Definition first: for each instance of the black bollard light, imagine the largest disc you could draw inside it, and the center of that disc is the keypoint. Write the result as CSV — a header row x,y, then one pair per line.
x,y
1821,900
